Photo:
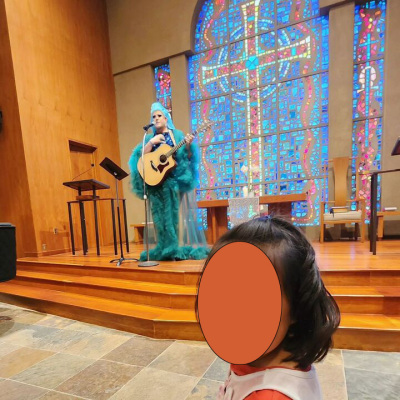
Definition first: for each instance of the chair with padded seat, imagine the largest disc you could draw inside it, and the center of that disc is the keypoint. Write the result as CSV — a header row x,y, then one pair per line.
x,y
339,211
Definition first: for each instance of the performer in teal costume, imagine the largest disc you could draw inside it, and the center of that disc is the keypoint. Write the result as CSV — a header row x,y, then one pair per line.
x,y
175,191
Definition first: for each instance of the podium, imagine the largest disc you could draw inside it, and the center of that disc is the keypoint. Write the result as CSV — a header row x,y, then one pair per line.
x,y
374,197
396,148
85,186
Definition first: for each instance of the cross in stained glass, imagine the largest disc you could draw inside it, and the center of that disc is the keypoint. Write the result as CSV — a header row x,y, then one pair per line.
x,y
251,62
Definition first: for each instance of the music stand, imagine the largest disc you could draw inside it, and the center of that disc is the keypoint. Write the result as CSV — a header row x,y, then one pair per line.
x,y
119,174
396,148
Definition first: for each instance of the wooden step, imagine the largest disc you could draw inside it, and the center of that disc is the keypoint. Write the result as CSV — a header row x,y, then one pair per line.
x,y
159,301
357,331
149,293
367,299
170,273
368,332
174,273
156,322
351,299
355,277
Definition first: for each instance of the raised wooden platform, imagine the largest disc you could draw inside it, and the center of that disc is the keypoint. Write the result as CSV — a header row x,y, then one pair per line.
x,y
159,301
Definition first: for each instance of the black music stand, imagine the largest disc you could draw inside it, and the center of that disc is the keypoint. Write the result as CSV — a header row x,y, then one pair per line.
x,y
119,174
396,148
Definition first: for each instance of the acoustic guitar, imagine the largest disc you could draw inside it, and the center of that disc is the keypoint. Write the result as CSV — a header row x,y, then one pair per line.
x,y
159,163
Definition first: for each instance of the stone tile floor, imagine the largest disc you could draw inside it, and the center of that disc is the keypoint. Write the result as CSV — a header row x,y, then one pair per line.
x,y
51,358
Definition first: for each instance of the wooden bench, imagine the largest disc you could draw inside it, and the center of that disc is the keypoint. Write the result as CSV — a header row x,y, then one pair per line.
x,y
381,215
138,232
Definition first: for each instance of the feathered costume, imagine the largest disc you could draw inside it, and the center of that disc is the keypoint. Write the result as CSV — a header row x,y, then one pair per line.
x,y
178,237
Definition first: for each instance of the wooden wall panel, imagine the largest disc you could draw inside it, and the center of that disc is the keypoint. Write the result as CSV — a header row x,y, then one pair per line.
x,y
65,91
14,190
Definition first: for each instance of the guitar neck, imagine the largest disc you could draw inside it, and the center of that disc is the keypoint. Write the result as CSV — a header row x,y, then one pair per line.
x,y
179,145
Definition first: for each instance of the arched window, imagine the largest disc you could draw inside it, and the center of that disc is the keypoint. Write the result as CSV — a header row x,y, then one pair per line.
x,y
260,71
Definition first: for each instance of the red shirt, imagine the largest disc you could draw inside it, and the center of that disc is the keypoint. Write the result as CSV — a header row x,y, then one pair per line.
x,y
260,394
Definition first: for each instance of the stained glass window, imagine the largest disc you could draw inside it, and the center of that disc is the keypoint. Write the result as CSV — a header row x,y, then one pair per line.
x,y
162,76
369,48
260,73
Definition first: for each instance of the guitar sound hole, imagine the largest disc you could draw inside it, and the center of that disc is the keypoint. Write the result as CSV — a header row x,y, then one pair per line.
x,y
163,158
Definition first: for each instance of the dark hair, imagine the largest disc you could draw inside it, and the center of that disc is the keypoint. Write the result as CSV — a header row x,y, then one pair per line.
x,y
314,312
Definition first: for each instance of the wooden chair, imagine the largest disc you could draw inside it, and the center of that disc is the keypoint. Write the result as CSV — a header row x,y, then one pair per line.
x,y
381,216
342,214
138,232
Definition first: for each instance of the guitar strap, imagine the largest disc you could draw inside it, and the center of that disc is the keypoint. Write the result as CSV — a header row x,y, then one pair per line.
x,y
171,134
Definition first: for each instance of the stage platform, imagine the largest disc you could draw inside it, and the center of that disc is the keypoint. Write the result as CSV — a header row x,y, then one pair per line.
x,y
159,301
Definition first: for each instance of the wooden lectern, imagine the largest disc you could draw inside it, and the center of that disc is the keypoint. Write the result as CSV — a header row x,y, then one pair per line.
x,y
85,186
374,197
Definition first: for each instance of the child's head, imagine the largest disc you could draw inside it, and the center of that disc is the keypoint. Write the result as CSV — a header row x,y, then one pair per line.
x,y
310,315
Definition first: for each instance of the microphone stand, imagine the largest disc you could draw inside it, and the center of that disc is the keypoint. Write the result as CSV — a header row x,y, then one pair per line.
x,y
147,263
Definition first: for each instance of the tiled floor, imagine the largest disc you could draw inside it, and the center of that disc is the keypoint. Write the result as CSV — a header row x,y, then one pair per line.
x,y
52,358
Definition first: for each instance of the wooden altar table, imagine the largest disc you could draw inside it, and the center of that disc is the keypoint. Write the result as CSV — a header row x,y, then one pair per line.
x,y
217,219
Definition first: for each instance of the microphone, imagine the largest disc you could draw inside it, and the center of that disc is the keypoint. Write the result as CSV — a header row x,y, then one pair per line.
x,y
91,166
146,127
